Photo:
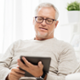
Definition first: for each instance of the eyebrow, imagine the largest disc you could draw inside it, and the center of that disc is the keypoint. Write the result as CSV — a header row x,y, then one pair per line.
x,y
45,18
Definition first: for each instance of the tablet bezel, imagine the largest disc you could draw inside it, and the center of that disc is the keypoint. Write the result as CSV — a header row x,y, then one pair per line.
x,y
34,60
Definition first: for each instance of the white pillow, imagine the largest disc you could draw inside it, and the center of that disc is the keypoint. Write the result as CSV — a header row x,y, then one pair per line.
x,y
75,76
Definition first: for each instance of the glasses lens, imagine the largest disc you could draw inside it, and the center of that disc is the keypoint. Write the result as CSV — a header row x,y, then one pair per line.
x,y
39,19
49,21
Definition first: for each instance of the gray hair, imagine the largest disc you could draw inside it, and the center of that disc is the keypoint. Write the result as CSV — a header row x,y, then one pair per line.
x,y
48,5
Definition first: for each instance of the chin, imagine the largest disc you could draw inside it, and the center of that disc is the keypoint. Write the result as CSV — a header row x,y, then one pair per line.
x,y
42,35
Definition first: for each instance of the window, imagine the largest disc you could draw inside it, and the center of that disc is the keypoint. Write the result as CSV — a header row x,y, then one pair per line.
x,y
15,21
1,23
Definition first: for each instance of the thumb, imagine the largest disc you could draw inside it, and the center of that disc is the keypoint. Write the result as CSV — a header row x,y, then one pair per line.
x,y
40,64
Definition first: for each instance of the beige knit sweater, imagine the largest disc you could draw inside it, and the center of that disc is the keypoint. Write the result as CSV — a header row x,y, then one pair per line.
x,y
63,60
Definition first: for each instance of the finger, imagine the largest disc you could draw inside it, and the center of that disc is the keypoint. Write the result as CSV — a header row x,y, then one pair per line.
x,y
40,64
27,62
20,64
15,73
17,70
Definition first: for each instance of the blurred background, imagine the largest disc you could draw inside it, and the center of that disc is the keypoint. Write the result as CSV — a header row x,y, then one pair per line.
x,y
16,22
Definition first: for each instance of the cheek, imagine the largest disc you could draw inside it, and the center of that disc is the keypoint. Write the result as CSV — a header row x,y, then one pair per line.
x,y
36,26
51,28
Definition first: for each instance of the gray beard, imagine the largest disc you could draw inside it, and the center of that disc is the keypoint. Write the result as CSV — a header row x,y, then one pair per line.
x,y
41,36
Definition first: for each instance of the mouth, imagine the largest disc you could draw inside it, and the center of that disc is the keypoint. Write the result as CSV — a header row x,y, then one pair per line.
x,y
44,29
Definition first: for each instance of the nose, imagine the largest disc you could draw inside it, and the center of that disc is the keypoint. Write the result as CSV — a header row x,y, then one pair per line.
x,y
43,23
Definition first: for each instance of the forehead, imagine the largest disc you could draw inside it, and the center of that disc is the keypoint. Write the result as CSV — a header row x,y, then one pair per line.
x,y
46,12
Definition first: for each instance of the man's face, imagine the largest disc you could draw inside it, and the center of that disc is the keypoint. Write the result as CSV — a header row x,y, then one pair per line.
x,y
43,30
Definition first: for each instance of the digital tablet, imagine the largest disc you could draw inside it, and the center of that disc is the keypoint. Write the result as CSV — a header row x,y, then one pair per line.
x,y
34,60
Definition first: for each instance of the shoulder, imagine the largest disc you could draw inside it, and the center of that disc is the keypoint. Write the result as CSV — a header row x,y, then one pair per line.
x,y
20,43
63,43
64,46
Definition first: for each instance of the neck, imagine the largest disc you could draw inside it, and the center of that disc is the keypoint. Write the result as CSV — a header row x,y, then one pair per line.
x,y
38,38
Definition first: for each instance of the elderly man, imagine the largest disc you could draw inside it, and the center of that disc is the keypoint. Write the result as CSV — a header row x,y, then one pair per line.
x,y
63,60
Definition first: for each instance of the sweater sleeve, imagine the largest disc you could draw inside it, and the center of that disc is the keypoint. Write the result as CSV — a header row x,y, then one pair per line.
x,y
54,76
67,64
5,63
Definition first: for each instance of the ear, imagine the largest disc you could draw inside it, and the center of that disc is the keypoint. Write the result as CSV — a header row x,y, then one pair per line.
x,y
33,20
56,23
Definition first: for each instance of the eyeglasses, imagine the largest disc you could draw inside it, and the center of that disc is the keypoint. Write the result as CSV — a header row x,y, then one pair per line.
x,y
40,19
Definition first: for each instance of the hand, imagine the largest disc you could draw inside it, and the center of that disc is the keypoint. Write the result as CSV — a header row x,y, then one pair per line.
x,y
35,70
15,74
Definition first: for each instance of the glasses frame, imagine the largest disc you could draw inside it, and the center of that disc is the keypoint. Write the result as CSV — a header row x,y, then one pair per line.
x,y
44,19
